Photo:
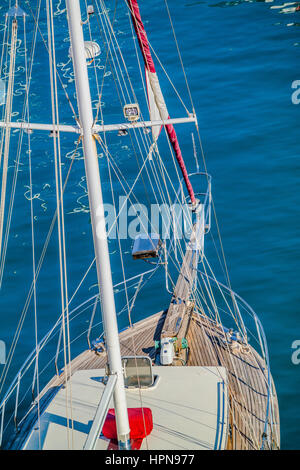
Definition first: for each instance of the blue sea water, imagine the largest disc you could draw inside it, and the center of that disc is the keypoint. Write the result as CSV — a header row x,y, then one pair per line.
x,y
241,58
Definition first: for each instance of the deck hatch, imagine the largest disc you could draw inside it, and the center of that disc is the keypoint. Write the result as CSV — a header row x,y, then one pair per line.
x,y
137,371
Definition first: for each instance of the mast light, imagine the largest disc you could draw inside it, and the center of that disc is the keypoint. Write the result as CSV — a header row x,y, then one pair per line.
x,y
132,112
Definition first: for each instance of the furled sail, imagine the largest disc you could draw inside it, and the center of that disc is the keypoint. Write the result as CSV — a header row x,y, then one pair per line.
x,y
157,105
153,109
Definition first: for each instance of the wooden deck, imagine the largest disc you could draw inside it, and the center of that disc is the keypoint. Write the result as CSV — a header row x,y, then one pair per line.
x,y
247,380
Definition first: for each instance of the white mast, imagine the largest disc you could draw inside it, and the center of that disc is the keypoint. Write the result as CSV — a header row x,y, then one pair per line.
x,y
98,220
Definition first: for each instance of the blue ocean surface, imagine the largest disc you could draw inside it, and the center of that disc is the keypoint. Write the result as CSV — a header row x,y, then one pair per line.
x,y
241,58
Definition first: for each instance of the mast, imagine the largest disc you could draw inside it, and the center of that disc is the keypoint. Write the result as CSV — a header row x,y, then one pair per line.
x,y
98,219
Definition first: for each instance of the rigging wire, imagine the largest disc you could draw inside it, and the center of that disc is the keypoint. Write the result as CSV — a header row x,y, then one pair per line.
x,y
56,71
159,61
8,112
19,148
32,241
117,82
200,142
30,293
136,136
180,57
60,219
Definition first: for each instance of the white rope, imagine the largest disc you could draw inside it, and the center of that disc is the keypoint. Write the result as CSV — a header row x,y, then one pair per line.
x,y
32,242
9,101
110,45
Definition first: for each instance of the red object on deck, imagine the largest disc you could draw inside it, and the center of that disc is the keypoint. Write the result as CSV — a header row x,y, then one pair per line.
x,y
140,423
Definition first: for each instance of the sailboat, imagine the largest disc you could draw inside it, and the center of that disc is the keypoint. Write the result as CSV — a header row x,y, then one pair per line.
x,y
184,377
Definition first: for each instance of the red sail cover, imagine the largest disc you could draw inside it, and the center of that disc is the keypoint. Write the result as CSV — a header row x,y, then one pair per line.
x,y
140,423
141,34
155,87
